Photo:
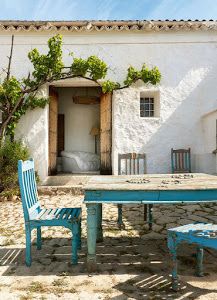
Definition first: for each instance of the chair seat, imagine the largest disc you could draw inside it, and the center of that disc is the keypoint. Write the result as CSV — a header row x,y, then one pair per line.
x,y
67,214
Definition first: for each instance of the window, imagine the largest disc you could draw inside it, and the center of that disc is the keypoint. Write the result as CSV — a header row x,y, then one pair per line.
x,y
147,107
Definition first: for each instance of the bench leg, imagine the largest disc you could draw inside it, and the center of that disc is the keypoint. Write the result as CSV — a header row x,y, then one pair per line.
x,y
75,239
91,236
28,246
172,245
199,270
99,237
79,235
39,238
120,217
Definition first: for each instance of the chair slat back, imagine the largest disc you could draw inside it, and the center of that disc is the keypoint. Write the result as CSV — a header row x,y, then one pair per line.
x,y
28,188
181,160
131,164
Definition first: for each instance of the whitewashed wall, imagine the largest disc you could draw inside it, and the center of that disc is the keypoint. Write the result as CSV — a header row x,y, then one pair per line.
x,y
188,90
33,130
209,132
79,119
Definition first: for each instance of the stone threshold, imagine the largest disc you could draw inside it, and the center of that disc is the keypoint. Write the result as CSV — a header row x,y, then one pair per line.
x,y
60,190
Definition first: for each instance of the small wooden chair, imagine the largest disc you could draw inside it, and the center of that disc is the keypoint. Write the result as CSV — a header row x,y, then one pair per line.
x,y
181,160
133,164
35,217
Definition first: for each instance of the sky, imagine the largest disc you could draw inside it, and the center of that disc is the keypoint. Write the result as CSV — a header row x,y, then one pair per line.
x,y
107,9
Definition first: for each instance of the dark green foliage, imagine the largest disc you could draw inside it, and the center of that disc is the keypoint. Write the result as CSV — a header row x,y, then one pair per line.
x,y
10,153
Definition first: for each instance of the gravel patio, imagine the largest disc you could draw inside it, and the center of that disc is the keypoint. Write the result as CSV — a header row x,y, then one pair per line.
x,y
132,264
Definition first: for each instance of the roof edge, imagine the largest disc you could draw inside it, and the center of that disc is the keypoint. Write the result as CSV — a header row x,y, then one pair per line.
x,y
113,25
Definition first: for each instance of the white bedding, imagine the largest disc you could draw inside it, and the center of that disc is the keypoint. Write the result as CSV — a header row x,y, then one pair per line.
x,y
86,161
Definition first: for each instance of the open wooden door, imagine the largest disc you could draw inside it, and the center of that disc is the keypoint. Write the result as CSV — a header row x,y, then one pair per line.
x,y
53,114
106,134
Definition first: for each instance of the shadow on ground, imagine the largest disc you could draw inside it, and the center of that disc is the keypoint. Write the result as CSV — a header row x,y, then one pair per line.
x,y
145,265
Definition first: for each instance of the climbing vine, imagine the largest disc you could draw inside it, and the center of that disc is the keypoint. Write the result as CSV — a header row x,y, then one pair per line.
x,y
18,96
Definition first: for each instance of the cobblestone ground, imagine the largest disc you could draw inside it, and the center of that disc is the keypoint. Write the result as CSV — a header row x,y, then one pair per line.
x,y
132,263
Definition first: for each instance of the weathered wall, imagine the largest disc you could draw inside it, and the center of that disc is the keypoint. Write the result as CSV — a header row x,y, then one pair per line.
x,y
187,61
79,119
33,130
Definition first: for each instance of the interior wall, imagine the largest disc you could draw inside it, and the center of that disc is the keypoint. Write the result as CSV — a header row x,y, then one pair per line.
x,y
79,118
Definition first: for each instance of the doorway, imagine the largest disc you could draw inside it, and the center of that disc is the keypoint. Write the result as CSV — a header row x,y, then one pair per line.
x,y
79,130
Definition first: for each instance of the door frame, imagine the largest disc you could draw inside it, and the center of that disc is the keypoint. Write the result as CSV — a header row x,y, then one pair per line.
x,y
105,132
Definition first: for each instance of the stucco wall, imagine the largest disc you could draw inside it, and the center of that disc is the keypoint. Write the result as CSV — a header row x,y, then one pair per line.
x,y
79,119
33,130
187,61
209,132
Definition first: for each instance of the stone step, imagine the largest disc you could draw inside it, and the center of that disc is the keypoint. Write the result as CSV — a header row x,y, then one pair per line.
x,y
60,190
66,180
65,184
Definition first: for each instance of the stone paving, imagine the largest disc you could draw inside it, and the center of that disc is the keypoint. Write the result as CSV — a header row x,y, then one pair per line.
x,y
132,263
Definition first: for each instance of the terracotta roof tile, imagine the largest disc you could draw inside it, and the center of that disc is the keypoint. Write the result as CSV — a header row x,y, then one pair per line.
x,y
116,25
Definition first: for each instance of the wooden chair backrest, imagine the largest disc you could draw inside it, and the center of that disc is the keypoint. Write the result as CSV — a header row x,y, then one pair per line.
x,y
181,160
28,188
131,164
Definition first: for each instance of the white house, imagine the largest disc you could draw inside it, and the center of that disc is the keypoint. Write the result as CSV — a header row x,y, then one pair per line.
x,y
184,110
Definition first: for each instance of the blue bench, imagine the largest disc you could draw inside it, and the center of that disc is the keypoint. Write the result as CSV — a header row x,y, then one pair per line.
x,y
200,234
35,216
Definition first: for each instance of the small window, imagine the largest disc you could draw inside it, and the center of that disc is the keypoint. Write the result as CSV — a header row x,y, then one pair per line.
x,y
147,107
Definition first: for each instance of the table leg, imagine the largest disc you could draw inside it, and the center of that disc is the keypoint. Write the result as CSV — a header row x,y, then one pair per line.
x,y
172,245
91,236
99,237
199,262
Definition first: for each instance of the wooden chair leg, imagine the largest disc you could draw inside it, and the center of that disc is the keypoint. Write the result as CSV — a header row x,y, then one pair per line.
x,y
199,271
150,216
79,235
145,212
172,245
28,246
120,218
39,238
75,238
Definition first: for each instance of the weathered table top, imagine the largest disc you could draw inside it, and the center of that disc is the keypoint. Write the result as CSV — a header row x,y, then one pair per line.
x,y
153,182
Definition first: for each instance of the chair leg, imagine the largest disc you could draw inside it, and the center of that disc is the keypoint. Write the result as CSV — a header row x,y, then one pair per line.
x,y
75,238
120,219
39,238
28,246
199,271
172,245
79,235
145,212
150,216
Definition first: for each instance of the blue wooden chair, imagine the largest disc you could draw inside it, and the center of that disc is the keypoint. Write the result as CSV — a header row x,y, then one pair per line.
x,y
35,217
181,160
203,235
133,164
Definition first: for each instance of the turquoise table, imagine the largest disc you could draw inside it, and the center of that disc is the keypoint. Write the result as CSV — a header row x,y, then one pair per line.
x,y
146,189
